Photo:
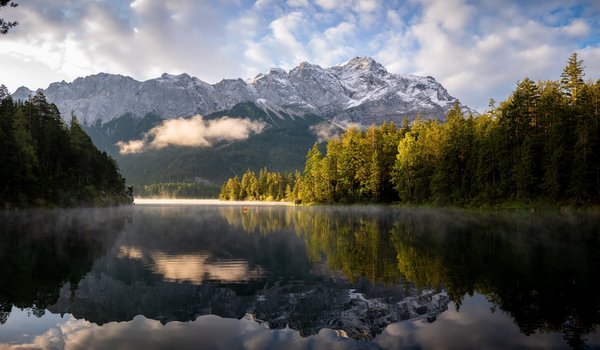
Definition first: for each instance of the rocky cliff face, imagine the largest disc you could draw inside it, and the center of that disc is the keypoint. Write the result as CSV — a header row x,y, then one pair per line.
x,y
360,90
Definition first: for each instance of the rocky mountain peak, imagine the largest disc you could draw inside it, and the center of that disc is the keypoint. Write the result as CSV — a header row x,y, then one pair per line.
x,y
360,91
167,77
22,94
277,71
364,63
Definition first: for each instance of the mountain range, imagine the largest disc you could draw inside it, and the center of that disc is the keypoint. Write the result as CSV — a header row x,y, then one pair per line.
x,y
291,110
358,91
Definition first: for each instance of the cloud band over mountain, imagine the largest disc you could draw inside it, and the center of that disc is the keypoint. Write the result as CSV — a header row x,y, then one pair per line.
x,y
193,132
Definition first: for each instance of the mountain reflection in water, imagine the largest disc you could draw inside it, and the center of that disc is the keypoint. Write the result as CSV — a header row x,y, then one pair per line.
x,y
323,272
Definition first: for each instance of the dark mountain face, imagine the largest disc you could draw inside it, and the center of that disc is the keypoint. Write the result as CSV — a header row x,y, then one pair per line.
x,y
281,146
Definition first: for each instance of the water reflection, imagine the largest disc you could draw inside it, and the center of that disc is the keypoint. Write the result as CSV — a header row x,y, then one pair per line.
x,y
43,251
194,268
308,272
541,269
205,332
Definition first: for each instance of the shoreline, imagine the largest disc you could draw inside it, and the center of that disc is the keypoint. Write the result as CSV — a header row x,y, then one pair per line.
x,y
210,201
502,207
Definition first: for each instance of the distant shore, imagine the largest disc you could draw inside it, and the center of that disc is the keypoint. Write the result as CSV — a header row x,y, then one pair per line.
x,y
166,201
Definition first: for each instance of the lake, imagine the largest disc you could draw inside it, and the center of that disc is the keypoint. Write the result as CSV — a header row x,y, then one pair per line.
x,y
223,276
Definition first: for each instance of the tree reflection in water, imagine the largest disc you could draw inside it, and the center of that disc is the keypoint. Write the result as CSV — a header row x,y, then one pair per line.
x,y
42,251
541,269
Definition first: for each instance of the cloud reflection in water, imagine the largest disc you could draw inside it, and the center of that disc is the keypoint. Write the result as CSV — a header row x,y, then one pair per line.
x,y
192,267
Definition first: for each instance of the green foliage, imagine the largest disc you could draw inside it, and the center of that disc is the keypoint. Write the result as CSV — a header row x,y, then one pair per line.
x,y
541,144
44,162
571,78
268,186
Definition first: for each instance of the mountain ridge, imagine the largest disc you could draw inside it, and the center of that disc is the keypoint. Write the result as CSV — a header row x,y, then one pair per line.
x,y
359,91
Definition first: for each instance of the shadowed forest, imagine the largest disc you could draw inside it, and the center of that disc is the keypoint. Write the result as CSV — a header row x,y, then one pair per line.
x,y
44,162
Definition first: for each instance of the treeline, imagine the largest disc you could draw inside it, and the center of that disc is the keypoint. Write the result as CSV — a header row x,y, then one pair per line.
x,y
542,144
267,186
43,162
177,190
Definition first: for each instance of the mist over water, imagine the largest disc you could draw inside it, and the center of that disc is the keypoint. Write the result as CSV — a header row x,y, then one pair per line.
x,y
235,276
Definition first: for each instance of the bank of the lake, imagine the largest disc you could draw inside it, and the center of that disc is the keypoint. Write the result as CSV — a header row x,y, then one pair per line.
x,y
205,201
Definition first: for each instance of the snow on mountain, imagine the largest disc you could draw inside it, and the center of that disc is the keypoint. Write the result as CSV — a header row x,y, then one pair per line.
x,y
321,90
359,91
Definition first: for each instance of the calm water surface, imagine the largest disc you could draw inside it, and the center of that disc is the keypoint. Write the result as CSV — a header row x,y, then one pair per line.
x,y
228,277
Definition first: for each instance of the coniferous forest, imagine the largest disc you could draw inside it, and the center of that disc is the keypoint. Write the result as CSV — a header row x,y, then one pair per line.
x,y
541,145
44,162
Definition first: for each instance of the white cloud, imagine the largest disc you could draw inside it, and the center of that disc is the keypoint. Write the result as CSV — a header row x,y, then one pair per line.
x,y
246,26
193,132
281,46
150,38
477,50
131,147
367,6
480,50
330,4
325,131
577,28
284,31
394,18
262,4
297,3
591,61
334,45
452,15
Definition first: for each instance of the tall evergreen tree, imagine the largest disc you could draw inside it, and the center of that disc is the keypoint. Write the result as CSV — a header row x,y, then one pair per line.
x,y
571,78
309,192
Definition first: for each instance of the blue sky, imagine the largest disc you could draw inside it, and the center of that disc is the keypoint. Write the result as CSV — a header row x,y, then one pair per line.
x,y
477,49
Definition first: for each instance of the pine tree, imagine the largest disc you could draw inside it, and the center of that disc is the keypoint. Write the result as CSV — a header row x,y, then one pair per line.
x,y
234,189
486,167
308,193
245,186
571,78
329,171
553,123
351,165
448,181
585,149
225,190
8,150
405,169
